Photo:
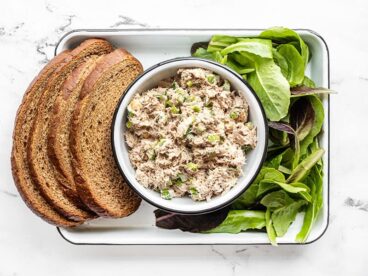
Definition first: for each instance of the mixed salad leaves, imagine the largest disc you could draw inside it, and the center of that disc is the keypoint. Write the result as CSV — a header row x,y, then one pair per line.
x,y
290,181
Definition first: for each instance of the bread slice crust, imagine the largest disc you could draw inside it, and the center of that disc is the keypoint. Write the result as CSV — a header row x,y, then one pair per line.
x,y
52,185
60,123
26,114
97,177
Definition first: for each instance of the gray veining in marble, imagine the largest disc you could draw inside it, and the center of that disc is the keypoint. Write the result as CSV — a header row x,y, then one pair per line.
x,y
356,203
127,21
9,193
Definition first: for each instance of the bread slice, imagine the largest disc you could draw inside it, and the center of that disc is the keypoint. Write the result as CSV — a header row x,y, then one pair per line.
x,y
60,122
97,177
42,170
26,114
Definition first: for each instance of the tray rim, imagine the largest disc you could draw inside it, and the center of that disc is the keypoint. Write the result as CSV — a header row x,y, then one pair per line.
x,y
107,30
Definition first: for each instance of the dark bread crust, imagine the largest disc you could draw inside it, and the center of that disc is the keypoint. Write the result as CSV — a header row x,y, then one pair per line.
x,y
56,193
60,123
86,186
26,114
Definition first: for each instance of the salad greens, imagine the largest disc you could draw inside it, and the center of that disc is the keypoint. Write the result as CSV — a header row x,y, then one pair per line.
x,y
241,220
272,63
272,88
290,181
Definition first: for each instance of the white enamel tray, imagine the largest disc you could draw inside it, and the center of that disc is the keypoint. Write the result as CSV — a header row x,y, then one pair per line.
x,y
153,46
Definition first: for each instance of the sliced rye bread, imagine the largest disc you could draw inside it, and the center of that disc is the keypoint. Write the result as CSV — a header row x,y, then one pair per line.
x,y
97,177
42,171
26,114
60,122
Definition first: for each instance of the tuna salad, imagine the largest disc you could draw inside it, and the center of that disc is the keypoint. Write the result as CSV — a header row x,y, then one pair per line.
x,y
189,136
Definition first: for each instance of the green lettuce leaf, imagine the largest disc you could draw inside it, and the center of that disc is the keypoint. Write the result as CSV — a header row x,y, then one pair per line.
x,y
250,196
238,68
284,216
283,35
276,199
281,62
219,42
295,72
241,220
271,87
308,82
315,182
298,188
203,53
269,227
259,47
302,170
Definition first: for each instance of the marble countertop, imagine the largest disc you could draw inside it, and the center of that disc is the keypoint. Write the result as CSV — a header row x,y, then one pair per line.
x,y
29,31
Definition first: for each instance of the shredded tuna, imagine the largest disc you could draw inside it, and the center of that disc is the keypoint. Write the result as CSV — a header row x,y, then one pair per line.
x,y
189,136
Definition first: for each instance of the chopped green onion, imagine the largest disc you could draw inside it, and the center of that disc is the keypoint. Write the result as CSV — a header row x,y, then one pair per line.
x,y
130,114
182,177
129,124
189,130
211,78
189,83
213,138
165,194
181,99
161,142
134,105
196,108
179,179
174,85
178,183
191,98
200,128
151,154
192,166
174,110
161,97
234,115
180,91
249,125
226,86
169,103
193,191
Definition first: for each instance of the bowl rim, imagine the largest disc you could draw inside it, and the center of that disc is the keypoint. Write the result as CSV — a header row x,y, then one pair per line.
x,y
152,202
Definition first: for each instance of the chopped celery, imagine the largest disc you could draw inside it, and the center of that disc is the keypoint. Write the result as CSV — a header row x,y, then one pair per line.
x,y
213,138
211,78
165,194
234,115
226,86
196,108
193,191
192,166
174,110
128,124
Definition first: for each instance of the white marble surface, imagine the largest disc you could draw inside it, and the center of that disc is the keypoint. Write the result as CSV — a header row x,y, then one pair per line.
x,y
28,33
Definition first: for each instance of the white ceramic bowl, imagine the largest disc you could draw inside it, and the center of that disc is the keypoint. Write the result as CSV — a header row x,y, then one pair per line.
x,y
148,80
